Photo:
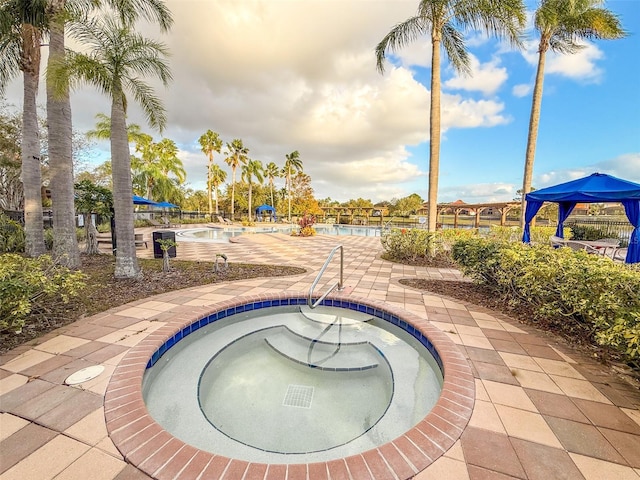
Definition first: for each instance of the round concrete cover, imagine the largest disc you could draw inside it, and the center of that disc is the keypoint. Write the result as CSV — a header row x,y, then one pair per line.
x,y
84,375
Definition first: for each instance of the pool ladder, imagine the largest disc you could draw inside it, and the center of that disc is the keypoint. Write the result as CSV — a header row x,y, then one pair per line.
x,y
339,284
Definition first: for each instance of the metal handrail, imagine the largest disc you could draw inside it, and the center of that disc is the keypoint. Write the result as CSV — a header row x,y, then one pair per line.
x,y
338,284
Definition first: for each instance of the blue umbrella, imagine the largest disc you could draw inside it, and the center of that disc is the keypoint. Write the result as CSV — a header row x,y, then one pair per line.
x,y
142,201
166,205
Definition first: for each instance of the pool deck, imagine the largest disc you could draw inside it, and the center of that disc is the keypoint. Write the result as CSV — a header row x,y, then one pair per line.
x,y
542,410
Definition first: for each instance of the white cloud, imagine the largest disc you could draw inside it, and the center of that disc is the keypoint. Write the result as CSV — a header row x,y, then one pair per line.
x,y
625,166
581,66
485,77
478,193
522,90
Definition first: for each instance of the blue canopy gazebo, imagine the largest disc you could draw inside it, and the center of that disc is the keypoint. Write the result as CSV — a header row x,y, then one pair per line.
x,y
266,209
597,187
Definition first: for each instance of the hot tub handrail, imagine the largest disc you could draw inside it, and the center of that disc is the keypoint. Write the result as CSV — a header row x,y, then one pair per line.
x,y
338,284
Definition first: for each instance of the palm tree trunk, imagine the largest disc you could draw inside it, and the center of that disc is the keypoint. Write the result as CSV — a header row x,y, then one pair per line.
x,y
249,202
217,210
534,122
434,135
31,172
233,193
209,194
126,260
289,192
65,243
271,183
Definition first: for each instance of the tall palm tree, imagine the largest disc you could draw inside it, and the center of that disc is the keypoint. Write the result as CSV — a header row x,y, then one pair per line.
x,y
237,154
210,142
117,59
292,164
253,168
22,28
445,21
59,111
218,177
562,25
272,172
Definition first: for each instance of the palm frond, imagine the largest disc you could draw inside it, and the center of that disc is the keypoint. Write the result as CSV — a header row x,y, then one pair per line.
x,y
399,36
151,105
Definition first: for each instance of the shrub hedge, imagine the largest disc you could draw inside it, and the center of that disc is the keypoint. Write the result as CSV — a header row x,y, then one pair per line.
x,y
590,289
29,285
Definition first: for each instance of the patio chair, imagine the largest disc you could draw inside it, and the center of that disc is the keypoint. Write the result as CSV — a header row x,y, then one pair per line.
x,y
139,240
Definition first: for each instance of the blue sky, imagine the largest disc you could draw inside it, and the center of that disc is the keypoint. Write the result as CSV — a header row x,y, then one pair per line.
x,y
285,75
590,121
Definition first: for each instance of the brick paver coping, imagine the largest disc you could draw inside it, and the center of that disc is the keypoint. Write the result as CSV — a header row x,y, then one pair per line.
x,y
145,444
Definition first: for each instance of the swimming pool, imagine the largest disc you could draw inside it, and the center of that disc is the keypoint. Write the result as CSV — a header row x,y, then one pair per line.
x,y
223,234
239,390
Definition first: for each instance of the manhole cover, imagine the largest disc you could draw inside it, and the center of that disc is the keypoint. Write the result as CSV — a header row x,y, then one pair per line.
x,y
84,375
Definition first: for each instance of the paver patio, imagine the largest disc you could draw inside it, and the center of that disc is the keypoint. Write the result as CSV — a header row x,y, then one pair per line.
x,y
542,410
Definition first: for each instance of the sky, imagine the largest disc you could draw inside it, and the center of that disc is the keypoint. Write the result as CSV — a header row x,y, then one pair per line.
x,y
285,75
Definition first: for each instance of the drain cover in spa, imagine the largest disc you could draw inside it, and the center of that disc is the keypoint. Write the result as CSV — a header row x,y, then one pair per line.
x,y
298,396
84,375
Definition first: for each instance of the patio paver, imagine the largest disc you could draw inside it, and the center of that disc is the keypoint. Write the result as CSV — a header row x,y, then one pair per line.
x,y
542,411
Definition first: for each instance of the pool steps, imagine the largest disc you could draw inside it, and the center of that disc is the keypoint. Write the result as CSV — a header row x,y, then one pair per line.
x,y
323,355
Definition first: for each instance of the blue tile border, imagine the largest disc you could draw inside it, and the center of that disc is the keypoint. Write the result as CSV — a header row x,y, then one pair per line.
x,y
296,301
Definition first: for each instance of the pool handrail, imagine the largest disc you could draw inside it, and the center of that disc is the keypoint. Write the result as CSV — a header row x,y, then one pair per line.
x,y
338,284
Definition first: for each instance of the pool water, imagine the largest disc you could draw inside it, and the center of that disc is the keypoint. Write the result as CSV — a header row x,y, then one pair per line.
x,y
223,234
306,385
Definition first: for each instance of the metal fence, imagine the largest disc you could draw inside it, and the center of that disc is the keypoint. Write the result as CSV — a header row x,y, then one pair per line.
x,y
610,228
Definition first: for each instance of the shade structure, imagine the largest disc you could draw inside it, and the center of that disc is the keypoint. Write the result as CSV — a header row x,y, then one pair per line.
x,y
265,208
597,187
142,201
166,205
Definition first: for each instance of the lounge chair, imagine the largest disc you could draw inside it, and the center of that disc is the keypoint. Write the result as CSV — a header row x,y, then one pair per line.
x,y
155,223
620,254
576,245
557,242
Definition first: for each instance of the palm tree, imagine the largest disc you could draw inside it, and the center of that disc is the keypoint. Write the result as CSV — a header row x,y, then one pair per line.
x,y
237,155
253,168
59,113
271,172
218,177
22,27
445,21
210,142
153,169
117,59
291,164
562,25
103,130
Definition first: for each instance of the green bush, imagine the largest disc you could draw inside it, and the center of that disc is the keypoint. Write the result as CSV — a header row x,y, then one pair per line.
x,y
409,244
585,232
561,283
514,234
48,238
11,235
28,286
